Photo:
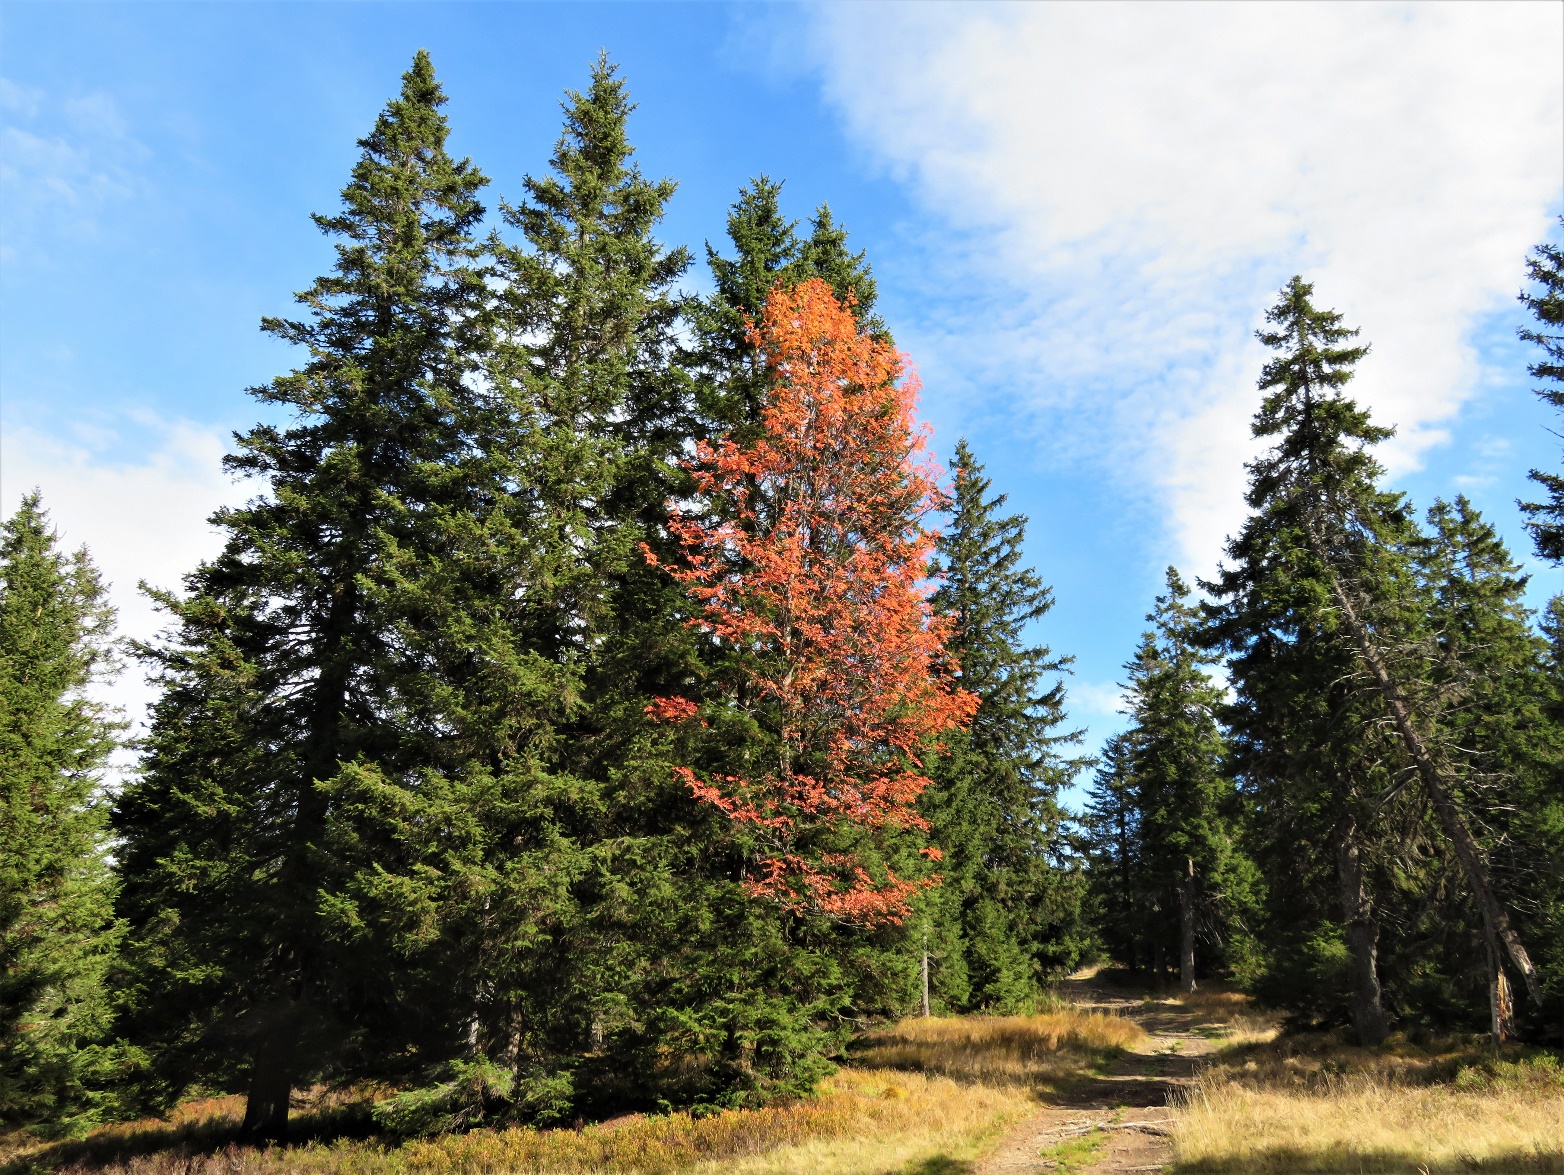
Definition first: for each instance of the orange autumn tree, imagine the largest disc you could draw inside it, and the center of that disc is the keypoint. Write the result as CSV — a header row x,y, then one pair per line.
x,y
808,561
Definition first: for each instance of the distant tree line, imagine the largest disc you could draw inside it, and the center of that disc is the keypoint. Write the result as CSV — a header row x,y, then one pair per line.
x,y
586,714
1342,784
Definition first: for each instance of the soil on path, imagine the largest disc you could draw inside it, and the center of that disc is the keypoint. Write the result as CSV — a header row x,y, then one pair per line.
x,y
1129,1103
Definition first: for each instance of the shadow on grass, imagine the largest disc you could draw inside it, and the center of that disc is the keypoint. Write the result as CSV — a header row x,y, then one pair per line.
x,y
1290,1160
942,1165
176,1142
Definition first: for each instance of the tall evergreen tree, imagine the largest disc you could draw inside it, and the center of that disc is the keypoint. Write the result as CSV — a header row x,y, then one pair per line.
x,y
1307,736
58,935
1326,561
1188,809
1119,895
1489,669
589,314
1545,300
731,380
1010,911
342,686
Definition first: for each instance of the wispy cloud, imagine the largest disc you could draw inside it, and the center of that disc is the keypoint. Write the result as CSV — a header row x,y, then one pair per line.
x,y
1102,701
62,160
1127,185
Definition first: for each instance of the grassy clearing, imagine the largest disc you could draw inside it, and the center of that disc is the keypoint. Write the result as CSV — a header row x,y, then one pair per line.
x,y
1316,1104
864,1123
1035,1051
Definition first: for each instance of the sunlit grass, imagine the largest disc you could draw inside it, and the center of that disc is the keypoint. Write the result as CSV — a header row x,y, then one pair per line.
x,y
864,1122
1317,1104
1229,1017
1012,1050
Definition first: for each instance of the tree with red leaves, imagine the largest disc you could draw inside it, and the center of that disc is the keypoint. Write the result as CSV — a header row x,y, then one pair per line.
x,y
808,561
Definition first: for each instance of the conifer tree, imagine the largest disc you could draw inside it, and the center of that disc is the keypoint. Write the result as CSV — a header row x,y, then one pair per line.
x,y
58,935
1118,894
1010,903
1307,735
824,254
731,378
732,381
588,314
1187,808
1325,561
1545,300
1489,670
342,687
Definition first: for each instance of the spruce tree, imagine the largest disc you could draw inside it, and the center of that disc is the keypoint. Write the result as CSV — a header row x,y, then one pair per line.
x,y
58,934
1545,300
731,382
588,309
1325,562
1009,912
1307,728
1119,895
824,254
342,686
1489,669
1187,811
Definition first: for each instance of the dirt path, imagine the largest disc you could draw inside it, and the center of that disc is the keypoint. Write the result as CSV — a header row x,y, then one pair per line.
x,y
1129,1103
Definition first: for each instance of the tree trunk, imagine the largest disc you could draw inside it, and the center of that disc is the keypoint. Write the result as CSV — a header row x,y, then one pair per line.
x,y
1186,928
271,1079
925,977
1368,1012
1467,851
1157,970
1501,1008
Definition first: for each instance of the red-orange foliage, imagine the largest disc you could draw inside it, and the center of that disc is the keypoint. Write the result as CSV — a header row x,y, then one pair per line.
x,y
810,561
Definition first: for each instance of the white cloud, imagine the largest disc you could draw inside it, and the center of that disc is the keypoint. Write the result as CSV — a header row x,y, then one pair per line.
x,y
1134,181
1097,699
141,520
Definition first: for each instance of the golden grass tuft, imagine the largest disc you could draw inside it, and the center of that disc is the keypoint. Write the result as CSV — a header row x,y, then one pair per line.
x,y
1363,1124
1043,1049
863,1123
1216,1004
1313,1103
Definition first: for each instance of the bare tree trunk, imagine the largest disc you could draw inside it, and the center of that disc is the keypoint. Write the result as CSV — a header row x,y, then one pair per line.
x,y
271,1078
1186,928
1501,1008
1467,851
1368,1011
925,977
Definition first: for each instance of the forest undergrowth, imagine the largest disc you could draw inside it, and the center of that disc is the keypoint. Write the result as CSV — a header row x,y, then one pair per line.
x,y
938,1094
860,1121
920,1091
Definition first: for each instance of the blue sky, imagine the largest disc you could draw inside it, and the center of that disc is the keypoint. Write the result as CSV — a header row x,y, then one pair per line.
x,y
1077,213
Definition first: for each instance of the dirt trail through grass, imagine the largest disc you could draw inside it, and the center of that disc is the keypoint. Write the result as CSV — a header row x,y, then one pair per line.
x,y
1115,1121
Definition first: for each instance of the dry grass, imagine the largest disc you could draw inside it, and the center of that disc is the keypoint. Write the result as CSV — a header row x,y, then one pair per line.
x,y
863,1122
1314,1104
1044,1050
1215,1005
1364,1126
1231,1018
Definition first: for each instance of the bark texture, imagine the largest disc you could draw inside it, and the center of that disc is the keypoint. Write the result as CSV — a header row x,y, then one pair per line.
x,y
1368,1011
